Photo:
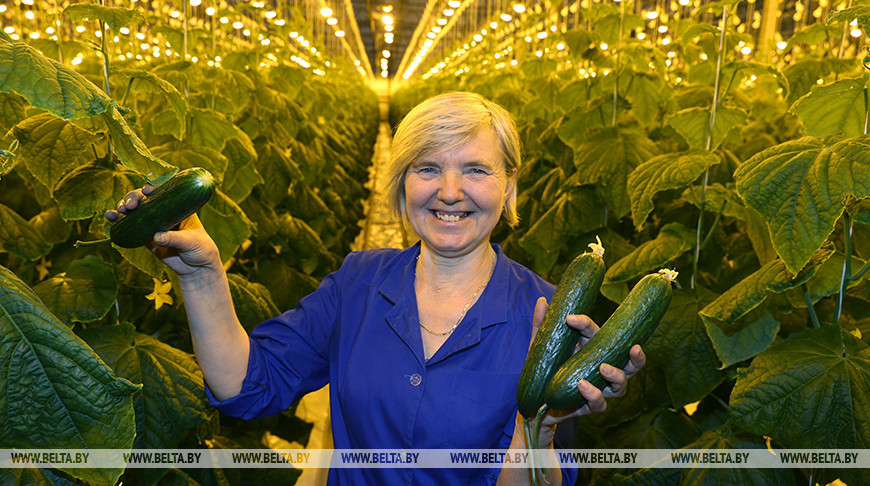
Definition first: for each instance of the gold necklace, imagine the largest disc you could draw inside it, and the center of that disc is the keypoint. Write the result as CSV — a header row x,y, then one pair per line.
x,y
464,309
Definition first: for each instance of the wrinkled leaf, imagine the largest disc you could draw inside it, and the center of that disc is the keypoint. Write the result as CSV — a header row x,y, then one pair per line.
x,y
144,260
681,345
147,82
92,190
241,175
34,477
226,223
48,84
51,147
55,392
772,277
607,158
51,226
692,124
753,337
833,109
861,13
18,237
646,94
115,17
575,126
13,109
210,129
185,156
84,293
808,391
172,399
673,240
662,173
800,188
252,301
133,153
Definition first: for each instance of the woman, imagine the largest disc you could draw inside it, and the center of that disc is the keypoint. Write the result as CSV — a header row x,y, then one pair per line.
x,y
423,347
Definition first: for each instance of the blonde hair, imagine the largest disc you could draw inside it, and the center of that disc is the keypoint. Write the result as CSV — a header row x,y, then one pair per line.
x,y
445,122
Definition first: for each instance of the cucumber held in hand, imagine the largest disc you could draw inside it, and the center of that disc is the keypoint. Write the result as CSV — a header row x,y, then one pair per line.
x,y
168,205
555,340
633,322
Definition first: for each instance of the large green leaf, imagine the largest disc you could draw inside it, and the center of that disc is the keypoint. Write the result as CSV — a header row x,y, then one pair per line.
x,y
811,390
681,345
115,17
84,293
132,152
144,260
13,109
172,399
278,171
51,226
860,13
93,189
753,337
662,173
210,129
693,125
48,84
647,93
226,223
52,146
18,237
673,240
607,158
148,82
55,392
34,477
241,175
772,277
834,109
575,126
252,301
800,188
184,156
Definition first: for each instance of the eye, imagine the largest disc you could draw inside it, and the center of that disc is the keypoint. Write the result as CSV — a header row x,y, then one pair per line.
x,y
478,171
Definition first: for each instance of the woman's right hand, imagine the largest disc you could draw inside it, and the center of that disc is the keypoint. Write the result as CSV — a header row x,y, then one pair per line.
x,y
186,249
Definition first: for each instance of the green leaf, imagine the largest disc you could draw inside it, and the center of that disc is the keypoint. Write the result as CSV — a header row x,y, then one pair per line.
x,y
241,176
861,13
210,129
754,337
575,126
115,17
673,240
800,188
84,293
278,170
662,173
253,301
48,84
808,391
834,109
144,260
226,223
92,189
692,124
660,428
13,109
55,392
147,82
133,153
681,345
51,226
172,399
607,158
772,277
51,147
19,237
34,477
609,26
185,156
647,93
814,34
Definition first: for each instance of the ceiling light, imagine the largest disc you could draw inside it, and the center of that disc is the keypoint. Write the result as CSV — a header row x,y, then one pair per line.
x,y
339,33
326,12
388,20
519,8
448,12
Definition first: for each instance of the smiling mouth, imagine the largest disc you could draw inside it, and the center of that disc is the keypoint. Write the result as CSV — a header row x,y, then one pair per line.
x,y
451,217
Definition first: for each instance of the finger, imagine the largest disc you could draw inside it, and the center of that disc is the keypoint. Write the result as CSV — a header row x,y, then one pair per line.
x,y
617,381
148,189
111,215
636,361
594,396
584,324
538,317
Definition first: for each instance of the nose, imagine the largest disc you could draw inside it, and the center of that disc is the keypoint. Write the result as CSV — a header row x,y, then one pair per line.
x,y
451,190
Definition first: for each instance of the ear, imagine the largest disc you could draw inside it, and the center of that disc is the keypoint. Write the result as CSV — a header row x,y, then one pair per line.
x,y
511,185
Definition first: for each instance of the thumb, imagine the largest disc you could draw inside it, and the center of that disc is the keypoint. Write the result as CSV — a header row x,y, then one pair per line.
x,y
541,307
179,240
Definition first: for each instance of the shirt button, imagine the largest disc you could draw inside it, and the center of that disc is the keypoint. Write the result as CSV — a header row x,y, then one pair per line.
x,y
415,379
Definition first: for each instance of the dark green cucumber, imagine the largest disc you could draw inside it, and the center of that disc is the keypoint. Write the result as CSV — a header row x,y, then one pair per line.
x,y
631,323
555,341
169,204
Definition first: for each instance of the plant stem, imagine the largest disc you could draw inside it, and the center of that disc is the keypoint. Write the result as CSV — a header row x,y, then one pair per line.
x,y
526,429
80,243
709,145
616,68
715,223
860,273
127,92
810,308
847,267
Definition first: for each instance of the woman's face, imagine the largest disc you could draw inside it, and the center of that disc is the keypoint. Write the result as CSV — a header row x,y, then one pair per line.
x,y
455,198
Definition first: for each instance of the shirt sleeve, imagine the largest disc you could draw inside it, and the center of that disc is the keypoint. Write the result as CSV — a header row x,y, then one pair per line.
x,y
289,355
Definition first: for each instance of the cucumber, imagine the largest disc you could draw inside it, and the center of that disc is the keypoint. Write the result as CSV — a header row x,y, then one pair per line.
x,y
555,340
633,322
169,204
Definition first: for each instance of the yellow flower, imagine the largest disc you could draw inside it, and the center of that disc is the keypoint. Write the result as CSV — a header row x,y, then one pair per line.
x,y
160,295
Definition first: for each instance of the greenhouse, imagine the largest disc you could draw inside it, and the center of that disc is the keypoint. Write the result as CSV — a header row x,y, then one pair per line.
x,y
434,242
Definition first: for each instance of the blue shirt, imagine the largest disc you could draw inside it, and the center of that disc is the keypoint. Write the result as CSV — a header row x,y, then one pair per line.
x,y
359,332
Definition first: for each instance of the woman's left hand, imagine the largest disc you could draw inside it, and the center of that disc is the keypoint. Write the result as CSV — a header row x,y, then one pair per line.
x,y
595,398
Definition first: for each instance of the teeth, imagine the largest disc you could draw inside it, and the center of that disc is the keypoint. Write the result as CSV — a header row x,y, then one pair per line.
x,y
450,218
